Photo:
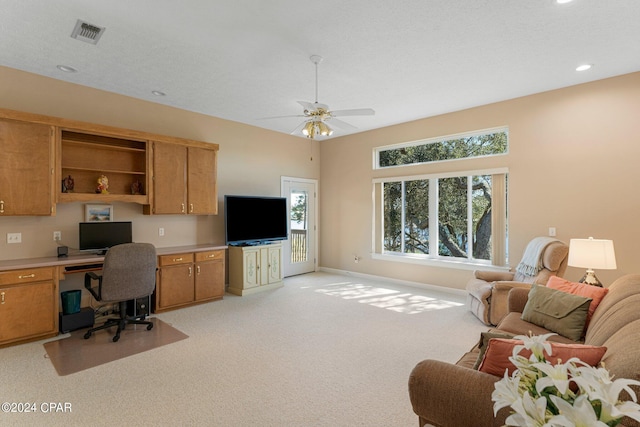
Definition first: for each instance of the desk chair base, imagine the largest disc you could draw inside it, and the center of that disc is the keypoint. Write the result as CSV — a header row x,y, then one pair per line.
x,y
121,322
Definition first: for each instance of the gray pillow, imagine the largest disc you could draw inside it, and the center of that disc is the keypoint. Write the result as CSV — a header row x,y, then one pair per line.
x,y
557,311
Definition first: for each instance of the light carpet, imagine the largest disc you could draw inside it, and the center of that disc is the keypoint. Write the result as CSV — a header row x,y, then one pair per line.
x,y
324,350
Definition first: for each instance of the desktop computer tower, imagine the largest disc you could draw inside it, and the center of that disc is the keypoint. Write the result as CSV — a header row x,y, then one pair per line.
x,y
140,306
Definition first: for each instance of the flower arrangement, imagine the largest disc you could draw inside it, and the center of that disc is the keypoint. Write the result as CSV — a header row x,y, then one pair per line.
x,y
567,394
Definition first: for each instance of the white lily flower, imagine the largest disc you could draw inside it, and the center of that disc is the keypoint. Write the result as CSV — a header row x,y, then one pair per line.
x,y
556,376
532,412
538,345
506,393
581,414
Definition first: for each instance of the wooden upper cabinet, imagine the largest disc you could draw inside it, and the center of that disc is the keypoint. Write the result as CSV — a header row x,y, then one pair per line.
x,y
184,180
202,193
26,168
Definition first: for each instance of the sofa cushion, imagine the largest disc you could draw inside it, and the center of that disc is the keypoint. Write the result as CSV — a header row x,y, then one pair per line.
x,y
496,357
596,293
557,311
484,342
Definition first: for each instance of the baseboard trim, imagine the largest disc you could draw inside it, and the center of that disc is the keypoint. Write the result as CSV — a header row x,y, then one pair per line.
x,y
457,292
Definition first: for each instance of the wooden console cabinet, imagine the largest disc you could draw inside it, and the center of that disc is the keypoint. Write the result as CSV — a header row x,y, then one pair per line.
x,y
189,278
28,304
255,268
26,168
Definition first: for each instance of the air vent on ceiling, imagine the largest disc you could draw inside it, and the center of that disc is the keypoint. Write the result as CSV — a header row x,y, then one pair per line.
x,y
86,32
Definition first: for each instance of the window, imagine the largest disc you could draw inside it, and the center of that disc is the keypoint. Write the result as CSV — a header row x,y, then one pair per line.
x,y
449,216
457,217
489,142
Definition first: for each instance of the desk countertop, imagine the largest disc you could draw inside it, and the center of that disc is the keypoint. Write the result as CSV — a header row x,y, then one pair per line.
x,y
15,264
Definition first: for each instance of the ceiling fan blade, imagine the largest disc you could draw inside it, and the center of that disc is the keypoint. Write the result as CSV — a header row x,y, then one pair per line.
x,y
313,106
281,117
354,112
341,124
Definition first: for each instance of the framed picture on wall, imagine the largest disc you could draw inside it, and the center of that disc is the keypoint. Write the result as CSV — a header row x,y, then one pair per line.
x,y
98,213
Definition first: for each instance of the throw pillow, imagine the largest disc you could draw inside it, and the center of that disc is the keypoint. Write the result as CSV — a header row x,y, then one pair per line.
x,y
557,311
484,342
596,293
496,357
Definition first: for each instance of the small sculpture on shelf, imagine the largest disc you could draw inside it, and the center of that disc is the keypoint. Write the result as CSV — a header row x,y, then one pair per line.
x,y
103,185
67,185
136,187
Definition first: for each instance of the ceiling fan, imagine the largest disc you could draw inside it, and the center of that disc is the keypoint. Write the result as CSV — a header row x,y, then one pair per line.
x,y
317,115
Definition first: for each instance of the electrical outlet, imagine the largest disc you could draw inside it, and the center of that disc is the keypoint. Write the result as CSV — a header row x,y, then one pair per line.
x,y
57,236
552,231
14,237
160,231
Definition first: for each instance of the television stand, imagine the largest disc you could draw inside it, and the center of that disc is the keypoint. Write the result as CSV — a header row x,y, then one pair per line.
x,y
255,268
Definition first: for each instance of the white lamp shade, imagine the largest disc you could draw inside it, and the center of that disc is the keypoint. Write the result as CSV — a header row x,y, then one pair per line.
x,y
592,253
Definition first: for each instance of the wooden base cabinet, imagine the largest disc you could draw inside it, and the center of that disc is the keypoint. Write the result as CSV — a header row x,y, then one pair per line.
x,y
189,278
28,305
255,268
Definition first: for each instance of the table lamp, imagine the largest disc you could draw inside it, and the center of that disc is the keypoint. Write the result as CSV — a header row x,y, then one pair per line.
x,y
592,253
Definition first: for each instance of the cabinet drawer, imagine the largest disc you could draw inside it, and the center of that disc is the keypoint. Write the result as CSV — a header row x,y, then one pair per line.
x,y
209,255
26,276
165,260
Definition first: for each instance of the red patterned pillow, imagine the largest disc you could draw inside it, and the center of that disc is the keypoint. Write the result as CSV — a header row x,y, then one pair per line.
x,y
496,357
596,293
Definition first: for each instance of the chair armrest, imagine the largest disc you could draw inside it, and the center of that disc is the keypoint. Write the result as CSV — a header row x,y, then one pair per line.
x,y
492,276
88,278
442,393
517,299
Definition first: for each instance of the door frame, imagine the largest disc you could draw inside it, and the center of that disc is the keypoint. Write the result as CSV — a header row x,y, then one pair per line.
x,y
314,182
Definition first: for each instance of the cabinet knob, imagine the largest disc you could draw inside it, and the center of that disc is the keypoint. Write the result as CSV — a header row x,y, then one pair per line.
x,y
1,297
182,207
190,271
198,270
177,259
27,276
1,206
190,207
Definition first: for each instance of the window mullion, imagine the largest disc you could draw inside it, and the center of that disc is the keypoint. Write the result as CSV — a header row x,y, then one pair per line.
x,y
433,218
470,234
402,217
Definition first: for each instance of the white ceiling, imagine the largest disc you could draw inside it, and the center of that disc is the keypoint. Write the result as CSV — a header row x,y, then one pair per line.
x,y
244,60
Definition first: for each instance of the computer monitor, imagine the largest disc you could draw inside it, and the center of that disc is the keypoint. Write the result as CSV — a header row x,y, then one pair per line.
x,y
100,236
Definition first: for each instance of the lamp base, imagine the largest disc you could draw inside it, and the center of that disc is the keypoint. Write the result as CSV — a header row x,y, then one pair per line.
x,y
590,279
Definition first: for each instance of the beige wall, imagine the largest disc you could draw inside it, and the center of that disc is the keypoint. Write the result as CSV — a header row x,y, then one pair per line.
x,y
250,161
573,164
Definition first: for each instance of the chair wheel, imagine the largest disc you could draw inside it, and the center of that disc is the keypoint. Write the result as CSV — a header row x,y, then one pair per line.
x,y
116,338
87,335
149,326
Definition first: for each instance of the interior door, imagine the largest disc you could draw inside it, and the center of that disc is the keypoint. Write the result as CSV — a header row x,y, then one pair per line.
x,y
300,249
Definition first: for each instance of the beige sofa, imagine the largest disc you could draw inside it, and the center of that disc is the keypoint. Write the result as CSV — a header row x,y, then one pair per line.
x,y
445,394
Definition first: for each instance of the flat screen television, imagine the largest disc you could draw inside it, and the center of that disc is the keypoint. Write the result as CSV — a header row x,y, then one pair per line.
x,y
100,236
252,220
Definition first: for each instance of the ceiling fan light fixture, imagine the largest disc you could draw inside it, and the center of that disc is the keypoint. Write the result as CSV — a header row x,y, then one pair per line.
x,y
324,129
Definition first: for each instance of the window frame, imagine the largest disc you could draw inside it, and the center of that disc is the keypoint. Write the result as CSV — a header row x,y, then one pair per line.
x,y
499,221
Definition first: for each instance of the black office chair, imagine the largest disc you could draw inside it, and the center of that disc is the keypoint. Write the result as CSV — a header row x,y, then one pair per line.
x,y
128,273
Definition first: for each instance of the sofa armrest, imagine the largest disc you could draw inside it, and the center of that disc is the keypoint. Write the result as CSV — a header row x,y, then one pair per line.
x,y
517,299
499,299
444,394
492,276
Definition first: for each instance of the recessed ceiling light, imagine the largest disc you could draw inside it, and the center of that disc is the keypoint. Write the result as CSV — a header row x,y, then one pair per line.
x,y
158,93
583,67
67,69
563,1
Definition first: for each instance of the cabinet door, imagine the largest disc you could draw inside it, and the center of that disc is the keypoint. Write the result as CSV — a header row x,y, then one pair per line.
x,y
169,178
26,180
27,311
202,194
275,264
251,268
175,286
209,280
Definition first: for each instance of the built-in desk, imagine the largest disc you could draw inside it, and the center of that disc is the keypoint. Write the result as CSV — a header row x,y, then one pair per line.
x,y
29,288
